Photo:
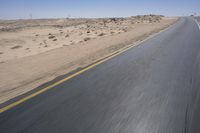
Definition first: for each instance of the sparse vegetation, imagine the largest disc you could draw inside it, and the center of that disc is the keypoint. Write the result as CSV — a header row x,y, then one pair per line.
x,y
66,35
46,33
87,39
74,37
16,47
112,32
101,34
125,30
51,37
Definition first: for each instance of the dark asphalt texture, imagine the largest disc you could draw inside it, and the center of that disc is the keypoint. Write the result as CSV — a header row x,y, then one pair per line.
x,y
151,88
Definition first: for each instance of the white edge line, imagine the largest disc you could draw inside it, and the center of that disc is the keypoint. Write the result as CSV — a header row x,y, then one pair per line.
x,y
197,23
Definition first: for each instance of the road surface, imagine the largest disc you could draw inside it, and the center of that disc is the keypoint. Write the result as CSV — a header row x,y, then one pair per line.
x,y
152,88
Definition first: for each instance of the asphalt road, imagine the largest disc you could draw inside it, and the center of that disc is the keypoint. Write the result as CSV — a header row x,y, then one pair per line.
x,y
152,88
198,21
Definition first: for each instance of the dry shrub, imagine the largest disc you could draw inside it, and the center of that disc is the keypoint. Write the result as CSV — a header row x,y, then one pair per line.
x,y
51,37
101,34
112,32
125,30
87,39
16,47
66,36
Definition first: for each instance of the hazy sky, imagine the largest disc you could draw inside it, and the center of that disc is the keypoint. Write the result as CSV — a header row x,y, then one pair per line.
x,y
18,9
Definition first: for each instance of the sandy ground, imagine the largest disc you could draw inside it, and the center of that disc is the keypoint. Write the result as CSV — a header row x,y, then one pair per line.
x,y
33,52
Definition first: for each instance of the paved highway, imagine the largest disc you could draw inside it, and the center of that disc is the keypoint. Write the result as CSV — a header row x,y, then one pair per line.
x,y
151,88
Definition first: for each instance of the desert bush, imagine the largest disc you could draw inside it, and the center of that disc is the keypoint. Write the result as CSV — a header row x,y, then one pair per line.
x,y
58,26
101,34
16,47
125,30
112,32
113,19
51,37
87,39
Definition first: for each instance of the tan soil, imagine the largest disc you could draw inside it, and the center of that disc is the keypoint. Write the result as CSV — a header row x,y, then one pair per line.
x,y
31,56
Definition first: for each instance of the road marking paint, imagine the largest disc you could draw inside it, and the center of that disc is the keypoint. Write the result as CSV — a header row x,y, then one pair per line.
x,y
108,57
197,23
199,26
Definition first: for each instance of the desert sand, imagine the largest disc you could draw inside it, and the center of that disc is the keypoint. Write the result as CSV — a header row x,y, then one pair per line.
x,y
33,52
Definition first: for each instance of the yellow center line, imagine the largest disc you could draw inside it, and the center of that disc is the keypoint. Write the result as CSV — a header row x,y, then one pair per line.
x,y
63,80
3,109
